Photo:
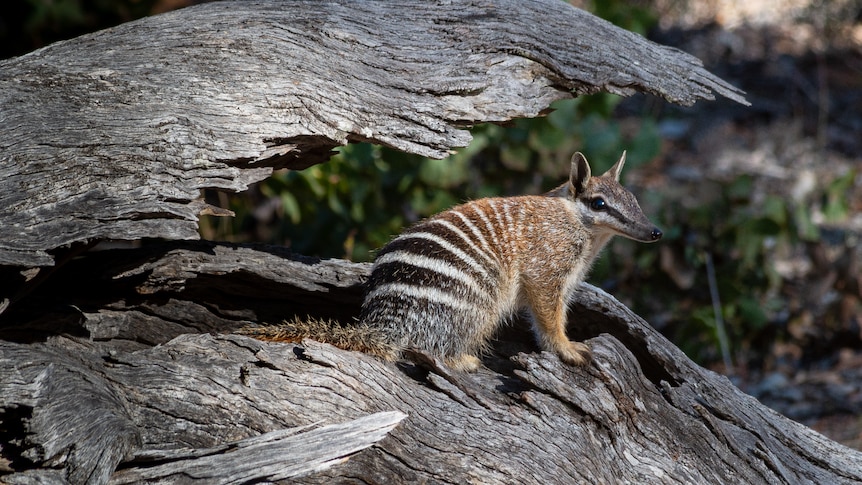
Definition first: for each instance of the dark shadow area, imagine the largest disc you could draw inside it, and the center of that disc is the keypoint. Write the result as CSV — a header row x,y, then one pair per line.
x,y
194,291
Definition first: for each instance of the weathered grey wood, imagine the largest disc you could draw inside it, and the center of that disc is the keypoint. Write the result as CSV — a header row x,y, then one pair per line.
x,y
277,455
66,407
114,134
37,477
643,412
119,358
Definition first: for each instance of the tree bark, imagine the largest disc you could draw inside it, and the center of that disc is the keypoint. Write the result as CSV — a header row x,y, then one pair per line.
x,y
113,135
122,366
158,388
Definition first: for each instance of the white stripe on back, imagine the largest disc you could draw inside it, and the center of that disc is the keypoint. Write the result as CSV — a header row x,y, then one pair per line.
x,y
457,252
437,265
463,236
485,219
476,232
502,233
431,294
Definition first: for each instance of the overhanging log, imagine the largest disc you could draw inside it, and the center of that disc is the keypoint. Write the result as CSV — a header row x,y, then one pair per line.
x,y
113,135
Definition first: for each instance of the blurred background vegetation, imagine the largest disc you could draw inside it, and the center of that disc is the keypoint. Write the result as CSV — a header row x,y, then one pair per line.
x,y
714,286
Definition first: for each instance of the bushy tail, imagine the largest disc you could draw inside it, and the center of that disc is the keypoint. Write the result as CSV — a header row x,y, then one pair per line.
x,y
354,336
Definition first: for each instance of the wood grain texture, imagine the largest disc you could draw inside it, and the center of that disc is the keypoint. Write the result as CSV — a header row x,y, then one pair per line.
x,y
113,135
277,455
122,366
189,391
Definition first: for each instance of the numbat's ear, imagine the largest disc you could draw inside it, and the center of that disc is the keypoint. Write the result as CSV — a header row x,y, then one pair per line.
x,y
617,168
580,173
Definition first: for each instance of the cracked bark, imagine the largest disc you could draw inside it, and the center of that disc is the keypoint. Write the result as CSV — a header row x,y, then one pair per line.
x,y
112,135
159,381
121,366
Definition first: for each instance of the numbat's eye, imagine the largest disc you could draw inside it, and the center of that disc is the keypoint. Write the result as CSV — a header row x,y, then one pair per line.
x,y
598,204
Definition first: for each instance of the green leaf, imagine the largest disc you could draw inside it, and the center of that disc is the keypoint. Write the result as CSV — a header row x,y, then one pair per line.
x,y
837,205
775,209
516,157
740,188
751,313
805,227
291,207
446,173
645,146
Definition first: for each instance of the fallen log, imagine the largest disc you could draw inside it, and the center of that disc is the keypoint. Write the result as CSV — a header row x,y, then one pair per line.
x,y
642,412
122,366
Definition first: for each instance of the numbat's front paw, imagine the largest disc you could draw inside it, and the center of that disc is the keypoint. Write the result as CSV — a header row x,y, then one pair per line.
x,y
575,353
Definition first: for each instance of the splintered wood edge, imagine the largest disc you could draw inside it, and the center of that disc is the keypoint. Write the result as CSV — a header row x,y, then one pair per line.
x,y
276,455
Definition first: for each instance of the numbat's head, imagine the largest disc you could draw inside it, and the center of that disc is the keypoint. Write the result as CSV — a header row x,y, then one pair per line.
x,y
605,207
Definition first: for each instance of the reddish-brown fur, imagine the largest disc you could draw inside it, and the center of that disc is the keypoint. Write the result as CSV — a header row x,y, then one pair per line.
x,y
446,284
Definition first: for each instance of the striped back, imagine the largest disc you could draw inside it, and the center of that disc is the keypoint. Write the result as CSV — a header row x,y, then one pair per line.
x,y
446,284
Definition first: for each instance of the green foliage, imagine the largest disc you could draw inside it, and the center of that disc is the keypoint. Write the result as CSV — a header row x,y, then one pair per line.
x,y
745,230
632,16
365,194
837,206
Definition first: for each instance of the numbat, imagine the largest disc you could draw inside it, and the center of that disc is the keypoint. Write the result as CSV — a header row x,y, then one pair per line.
x,y
449,282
